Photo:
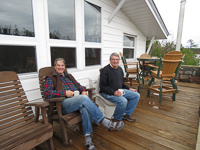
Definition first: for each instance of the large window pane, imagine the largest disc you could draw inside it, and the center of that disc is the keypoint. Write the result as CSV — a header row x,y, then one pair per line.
x,y
128,53
69,54
61,19
16,17
20,59
92,56
129,41
92,23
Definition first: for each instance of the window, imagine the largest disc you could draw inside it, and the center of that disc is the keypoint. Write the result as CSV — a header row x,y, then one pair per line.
x,y
69,54
129,46
20,59
92,56
61,19
16,18
92,22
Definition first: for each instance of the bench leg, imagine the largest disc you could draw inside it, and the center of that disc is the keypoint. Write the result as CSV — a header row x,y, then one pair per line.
x,y
50,144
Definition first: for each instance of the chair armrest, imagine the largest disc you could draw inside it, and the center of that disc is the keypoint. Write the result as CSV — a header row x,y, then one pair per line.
x,y
59,99
152,66
132,63
129,77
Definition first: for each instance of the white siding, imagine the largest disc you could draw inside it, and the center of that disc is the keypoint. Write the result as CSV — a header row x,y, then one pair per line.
x,y
112,41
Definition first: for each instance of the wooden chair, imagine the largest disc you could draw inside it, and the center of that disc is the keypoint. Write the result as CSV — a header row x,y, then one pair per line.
x,y
131,81
19,129
169,64
55,113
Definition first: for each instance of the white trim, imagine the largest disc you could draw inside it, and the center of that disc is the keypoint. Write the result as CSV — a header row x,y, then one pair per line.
x,y
149,48
91,44
121,3
157,16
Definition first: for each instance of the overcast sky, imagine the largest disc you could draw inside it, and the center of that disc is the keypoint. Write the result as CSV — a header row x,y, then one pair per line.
x,y
169,11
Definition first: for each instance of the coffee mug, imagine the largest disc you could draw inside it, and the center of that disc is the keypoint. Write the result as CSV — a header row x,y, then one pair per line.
x,y
76,93
122,91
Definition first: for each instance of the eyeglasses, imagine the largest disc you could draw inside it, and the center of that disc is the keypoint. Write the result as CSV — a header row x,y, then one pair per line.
x,y
115,59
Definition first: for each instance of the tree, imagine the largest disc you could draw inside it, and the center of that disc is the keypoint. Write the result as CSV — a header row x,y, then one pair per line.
x,y
192,44
189,57
159,49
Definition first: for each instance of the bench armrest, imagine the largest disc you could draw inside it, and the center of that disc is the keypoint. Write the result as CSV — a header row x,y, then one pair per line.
x,y
39,105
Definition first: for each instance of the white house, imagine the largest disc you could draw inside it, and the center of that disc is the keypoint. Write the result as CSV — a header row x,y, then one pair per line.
x,y
84,32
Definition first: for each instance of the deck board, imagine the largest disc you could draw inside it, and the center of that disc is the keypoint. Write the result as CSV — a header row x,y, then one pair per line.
x,y
165,126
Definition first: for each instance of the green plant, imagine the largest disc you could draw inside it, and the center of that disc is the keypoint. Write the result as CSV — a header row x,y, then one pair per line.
x,y
189,57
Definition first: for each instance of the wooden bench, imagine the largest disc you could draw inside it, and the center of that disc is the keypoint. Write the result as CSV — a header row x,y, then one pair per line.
x,y
19,129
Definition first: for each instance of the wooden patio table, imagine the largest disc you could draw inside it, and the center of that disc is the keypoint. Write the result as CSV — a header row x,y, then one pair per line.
x,y
143,59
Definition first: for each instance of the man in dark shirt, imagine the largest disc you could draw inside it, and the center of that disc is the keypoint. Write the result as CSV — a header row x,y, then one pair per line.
x,y
62,84
111,80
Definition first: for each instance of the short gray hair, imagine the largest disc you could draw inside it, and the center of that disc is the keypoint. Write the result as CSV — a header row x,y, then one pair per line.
x,y
114,54
59,59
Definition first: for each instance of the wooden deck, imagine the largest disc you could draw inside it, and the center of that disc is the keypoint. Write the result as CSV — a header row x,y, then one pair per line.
x,y
169,125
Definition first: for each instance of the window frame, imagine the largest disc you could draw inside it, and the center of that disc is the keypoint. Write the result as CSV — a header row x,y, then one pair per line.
x,y
92,44
130,47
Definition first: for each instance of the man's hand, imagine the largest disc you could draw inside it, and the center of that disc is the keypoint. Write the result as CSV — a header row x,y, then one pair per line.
x,y
69,93
84,93
134,90
118,93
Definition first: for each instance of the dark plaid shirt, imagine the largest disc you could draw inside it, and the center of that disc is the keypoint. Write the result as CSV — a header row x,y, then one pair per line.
x,y
50,92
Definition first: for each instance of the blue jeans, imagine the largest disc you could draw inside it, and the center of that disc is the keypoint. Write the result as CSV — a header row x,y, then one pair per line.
x,y
89,111
125,103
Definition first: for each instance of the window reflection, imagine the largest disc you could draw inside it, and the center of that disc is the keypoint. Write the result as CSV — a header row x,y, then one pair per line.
x,y
69,54
61,19
20,59
128,52
92,56
129,41
128,44
16,18
92,23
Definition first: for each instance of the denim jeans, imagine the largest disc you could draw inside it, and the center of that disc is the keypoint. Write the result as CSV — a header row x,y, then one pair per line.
x,y
125,103
89,111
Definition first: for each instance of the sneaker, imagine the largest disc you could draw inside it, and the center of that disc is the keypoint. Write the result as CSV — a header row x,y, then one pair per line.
x,y
91,146
128,118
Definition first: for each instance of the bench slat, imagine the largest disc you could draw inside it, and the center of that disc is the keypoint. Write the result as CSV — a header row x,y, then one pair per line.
x,y
23,134
16,122
17,126
15,112
11,92
16,117
9,83
13,104
9,98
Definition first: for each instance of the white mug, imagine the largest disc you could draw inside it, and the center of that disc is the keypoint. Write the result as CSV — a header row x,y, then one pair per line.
x,y
122,91
76,93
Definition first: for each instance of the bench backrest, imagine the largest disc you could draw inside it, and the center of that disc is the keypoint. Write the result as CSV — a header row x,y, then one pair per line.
x,y
13,113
